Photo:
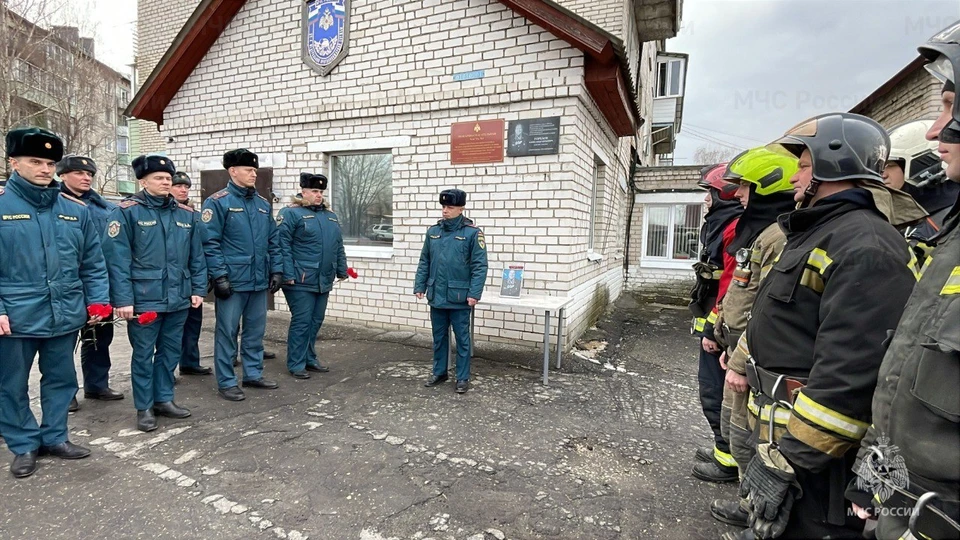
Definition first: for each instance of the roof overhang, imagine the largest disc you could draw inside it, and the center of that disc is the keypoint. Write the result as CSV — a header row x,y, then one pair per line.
x,y
606,70
657,19
187,50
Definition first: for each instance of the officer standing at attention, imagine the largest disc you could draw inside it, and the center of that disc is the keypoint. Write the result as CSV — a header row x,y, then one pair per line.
x,y
76,178
815,337
916,406
190,357
242,246
313,256
52,272
156,263
451,274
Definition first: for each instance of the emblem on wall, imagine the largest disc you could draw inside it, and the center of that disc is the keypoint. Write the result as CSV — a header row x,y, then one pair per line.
x,y
326,25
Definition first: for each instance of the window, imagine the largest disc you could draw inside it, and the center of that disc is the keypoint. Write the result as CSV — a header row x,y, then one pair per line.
x,y
125,183
669,78
123,145
596,198
672,232
362,197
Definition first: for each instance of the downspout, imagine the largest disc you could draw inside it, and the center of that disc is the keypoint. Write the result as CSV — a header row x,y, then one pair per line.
x,y
631,181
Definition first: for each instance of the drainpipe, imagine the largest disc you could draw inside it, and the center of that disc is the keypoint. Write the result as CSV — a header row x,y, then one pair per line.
x,y
631,181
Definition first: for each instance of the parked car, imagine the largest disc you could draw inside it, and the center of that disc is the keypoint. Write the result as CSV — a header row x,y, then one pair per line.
x,y
382,232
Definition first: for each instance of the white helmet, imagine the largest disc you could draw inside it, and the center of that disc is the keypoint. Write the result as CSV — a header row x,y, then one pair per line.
x,y
917,155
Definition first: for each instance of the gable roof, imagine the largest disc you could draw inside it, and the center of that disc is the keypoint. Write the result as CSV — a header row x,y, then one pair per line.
x,y
606,69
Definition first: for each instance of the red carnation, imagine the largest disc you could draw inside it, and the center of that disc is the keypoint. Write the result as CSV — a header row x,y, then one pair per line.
x,y
147,318
100,310
352,273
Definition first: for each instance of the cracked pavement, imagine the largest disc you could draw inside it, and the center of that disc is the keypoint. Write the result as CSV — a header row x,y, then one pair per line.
x,y
366,452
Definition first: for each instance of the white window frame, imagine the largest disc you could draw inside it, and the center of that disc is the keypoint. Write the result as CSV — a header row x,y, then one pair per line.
x,y
372,145
665,200
669,80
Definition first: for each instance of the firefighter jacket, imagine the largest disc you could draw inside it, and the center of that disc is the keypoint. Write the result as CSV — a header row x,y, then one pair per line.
x,y
155,254
53,265
704,326
453,264
821,316
916,406
240,238
312,247
734,309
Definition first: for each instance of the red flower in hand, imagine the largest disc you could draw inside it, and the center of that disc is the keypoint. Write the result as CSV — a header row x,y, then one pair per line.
x,y
352,273
147,318
100,310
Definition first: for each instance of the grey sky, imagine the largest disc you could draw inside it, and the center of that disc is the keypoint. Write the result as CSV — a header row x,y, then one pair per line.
x,y
757,67
115,22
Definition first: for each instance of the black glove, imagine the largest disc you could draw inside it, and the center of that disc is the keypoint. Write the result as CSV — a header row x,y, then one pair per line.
x,y
276,280
769,482
222,288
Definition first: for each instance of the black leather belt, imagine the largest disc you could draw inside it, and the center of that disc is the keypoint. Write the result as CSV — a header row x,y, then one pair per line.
x,y
775,386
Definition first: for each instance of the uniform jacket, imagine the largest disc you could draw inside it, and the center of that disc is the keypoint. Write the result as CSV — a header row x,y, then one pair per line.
x,y
723,283
154,254
453,264
733,310
240,238
98,207
312,247
823,313
917,401
53,266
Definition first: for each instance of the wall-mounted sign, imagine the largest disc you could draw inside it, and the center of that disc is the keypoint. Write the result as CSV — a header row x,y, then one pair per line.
x,y
533,137
326,25
468,75
476,142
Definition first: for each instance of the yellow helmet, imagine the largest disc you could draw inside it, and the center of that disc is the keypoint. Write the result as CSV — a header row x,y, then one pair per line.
x,y
767,169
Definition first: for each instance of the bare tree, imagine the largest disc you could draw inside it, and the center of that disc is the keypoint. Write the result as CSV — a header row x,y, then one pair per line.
x,y
362,190
706,155
53,79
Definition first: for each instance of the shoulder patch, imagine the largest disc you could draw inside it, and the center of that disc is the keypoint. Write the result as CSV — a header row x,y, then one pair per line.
x,y
220,194
128,203
207,215
72,198
185,207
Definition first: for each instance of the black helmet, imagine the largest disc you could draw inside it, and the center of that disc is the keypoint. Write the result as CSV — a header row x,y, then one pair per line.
x,y
843,146
942,51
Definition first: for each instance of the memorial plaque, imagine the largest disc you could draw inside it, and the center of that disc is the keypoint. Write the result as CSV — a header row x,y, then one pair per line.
x,y
476,142
534,137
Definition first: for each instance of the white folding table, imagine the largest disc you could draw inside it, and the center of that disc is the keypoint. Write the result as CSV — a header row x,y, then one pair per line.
x,y
545,304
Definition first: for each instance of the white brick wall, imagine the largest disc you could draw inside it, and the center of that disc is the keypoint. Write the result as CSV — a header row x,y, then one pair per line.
x,y
252,90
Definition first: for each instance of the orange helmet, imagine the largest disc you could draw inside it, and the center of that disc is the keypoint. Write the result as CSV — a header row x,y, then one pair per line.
x,y
711,177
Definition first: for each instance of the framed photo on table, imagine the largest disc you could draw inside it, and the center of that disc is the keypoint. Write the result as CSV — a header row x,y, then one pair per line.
x,y
511,284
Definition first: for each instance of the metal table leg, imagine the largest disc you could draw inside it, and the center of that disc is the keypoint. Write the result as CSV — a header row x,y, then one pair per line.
x,y
546,346
560,336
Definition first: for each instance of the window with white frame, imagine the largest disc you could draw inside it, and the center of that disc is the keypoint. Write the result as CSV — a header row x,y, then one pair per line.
x,y
669,77
123,145
672,231
362,197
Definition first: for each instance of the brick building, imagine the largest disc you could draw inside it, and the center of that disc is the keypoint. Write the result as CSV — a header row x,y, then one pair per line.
x,y
911,94
218,75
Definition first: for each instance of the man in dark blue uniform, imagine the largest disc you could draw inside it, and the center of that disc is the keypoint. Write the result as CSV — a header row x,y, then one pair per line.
x,y
451,274
313,256
242,247
190,357
76,178
52,272
156,263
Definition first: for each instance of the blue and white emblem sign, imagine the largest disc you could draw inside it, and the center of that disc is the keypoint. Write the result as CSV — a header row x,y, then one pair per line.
x,y
325,31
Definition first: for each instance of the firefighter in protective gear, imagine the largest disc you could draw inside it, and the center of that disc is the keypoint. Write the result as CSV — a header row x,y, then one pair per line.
x,y
764,189
914,166
916,406
815,338
714,271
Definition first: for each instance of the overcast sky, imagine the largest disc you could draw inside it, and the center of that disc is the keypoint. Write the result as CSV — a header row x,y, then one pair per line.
x,y
757,67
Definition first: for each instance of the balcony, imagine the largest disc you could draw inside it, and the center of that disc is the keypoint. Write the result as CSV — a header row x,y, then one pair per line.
x,y
667,114
657,19
123,131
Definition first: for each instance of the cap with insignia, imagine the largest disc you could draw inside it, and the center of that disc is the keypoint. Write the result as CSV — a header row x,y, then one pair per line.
x,y
453,197
240,157
34,142
152,163
73,162
313,181
182,178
